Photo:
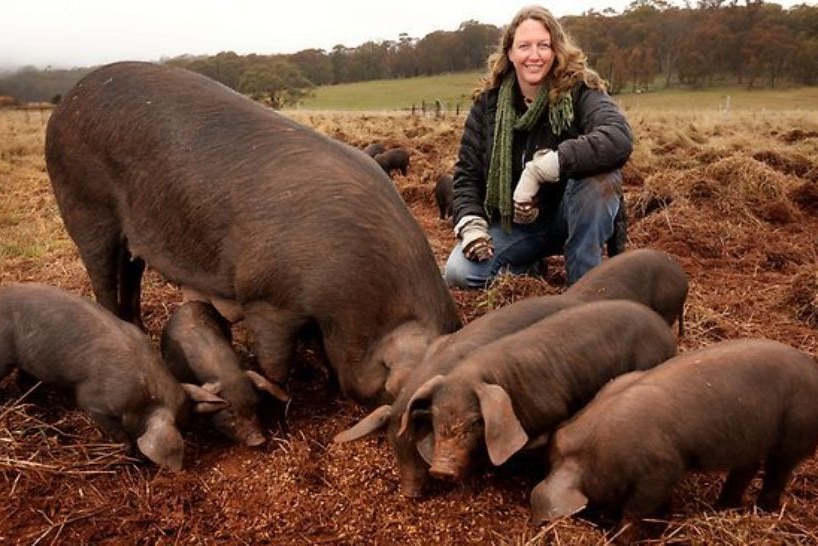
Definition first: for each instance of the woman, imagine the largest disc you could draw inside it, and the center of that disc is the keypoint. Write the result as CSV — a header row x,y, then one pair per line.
x,y
537,173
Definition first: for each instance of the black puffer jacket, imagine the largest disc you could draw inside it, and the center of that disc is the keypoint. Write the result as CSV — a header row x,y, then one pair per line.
x,y
599,140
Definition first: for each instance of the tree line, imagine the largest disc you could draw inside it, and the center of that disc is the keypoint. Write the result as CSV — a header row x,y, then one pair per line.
x,y
652,43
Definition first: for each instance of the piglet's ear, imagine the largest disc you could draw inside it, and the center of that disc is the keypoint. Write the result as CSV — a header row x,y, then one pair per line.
x,y
504,432
263,384
426,447
424,394
376,420
203,400
556,496
162,443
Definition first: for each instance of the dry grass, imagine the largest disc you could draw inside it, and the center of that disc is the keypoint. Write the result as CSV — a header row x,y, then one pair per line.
x,y
732,197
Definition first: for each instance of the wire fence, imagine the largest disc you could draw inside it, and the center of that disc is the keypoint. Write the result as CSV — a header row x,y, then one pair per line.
x,y
437,108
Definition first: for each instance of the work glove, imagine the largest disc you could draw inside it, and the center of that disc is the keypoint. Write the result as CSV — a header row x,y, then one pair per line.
x,y
473,232
543,167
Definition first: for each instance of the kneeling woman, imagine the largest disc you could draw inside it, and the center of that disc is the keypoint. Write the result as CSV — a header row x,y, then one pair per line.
x,y
537,173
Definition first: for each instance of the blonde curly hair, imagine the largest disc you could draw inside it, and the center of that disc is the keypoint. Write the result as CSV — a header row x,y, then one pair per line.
x,y
570,63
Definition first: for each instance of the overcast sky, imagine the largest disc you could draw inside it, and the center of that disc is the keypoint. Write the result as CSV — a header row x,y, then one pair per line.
x,y
70,33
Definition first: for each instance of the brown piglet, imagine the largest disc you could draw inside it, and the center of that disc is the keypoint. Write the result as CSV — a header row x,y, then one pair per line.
x,y
735,406
196,346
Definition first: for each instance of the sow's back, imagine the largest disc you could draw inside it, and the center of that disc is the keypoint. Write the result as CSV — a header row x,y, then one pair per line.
x,y
270,220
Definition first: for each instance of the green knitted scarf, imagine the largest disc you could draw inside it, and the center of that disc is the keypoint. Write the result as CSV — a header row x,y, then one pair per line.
x,y
506,121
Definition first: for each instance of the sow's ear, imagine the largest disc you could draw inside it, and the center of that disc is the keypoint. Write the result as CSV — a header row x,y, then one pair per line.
x,y
424,394
555,497
505,435
204,401
162,443
376,420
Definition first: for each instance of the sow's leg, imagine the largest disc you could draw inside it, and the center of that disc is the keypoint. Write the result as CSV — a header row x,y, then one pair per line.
x,y
273,334
8,354
777,472
92,222
130,271
737,482
100,245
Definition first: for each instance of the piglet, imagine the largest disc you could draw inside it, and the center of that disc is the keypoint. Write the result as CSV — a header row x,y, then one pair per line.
x,y
444,195
117,377
196,346
374,149
736,406
646,275
512,393
394,159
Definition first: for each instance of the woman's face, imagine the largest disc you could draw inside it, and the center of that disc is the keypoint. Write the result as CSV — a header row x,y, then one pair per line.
x,y
531,54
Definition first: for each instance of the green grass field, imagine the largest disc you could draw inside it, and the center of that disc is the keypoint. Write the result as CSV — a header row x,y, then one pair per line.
x,y
451,88
395,94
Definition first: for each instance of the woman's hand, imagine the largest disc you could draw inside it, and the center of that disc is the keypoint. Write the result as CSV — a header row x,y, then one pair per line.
x,y
474,235
525,213
544,167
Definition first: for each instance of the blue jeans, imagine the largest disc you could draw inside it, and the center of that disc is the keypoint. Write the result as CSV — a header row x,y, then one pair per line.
x,y
582,224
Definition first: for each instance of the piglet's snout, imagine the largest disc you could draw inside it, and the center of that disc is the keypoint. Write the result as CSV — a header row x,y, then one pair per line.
x,y
445,469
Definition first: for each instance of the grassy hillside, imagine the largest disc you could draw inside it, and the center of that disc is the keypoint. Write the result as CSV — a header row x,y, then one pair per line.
x,y
395,94
451,88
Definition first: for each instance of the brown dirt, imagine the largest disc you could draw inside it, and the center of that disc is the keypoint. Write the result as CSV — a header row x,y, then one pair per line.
x,y
734,203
